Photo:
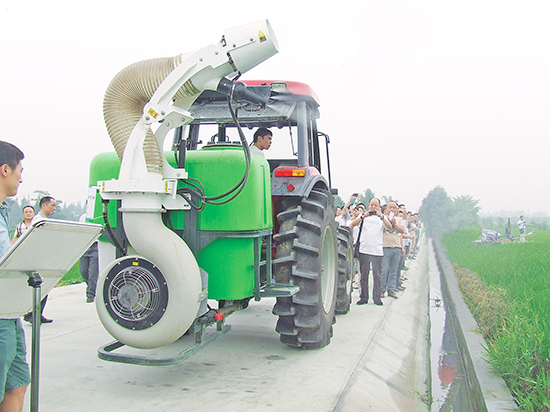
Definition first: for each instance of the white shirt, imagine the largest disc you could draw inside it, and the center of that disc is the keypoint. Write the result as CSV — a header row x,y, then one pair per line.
x,y
37,218
372,236
354,230
254,149
341,220
406,240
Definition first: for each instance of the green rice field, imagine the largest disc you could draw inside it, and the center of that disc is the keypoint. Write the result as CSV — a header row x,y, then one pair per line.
x,y
507,287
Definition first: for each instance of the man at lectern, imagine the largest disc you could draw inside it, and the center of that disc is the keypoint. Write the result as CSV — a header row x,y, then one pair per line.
x,y
14,370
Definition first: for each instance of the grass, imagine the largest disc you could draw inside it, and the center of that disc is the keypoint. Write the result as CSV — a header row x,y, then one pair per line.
x,y
506,287
72,277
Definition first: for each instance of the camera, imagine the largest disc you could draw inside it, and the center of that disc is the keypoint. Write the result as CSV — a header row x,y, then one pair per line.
x,y
355,194
372,212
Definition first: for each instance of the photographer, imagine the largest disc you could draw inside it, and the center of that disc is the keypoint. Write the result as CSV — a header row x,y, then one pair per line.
x,y
393,248
353,222
371,227
342,214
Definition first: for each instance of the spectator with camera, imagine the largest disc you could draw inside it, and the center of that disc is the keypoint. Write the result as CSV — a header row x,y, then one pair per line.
x,y
371,227
393,250
353,223
355,219
343,214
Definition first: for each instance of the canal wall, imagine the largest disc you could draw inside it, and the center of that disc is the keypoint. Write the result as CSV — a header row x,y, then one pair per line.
x,y
487,390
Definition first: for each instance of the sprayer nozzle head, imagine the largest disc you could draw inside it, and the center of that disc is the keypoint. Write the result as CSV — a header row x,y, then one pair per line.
x,y
240,92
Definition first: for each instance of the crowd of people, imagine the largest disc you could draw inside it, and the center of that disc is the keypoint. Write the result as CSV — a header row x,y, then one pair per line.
x,y
384,237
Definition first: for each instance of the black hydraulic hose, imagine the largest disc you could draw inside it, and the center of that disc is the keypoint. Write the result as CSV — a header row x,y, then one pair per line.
x,y
238,188
110,229
198,192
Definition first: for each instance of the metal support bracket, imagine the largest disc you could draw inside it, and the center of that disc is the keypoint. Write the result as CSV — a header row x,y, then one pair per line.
x,y
184,347
35,282
278,290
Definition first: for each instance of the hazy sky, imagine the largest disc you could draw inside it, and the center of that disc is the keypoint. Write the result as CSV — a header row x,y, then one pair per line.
x,y
414,94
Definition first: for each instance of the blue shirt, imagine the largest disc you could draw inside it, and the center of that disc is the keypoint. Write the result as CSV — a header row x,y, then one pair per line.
x,y
5,242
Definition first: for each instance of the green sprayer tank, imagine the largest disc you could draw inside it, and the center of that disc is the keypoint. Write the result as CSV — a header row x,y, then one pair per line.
x,y
229,259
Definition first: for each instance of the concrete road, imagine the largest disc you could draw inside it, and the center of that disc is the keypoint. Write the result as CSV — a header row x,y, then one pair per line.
x,y
377,361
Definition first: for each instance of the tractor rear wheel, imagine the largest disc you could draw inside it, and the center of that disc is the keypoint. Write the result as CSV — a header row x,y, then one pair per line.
x,y
345,270
307,256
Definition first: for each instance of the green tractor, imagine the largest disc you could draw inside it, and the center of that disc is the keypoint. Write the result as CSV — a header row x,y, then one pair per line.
x,y
219,222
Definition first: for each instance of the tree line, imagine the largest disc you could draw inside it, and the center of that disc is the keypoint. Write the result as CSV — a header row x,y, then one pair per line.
x,y
441,214
71,212
365,197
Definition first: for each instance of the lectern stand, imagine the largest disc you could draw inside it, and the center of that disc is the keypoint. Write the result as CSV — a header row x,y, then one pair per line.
x,y
40,258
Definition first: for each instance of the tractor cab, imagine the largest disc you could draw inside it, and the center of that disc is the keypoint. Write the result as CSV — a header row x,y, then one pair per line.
x,y
290,114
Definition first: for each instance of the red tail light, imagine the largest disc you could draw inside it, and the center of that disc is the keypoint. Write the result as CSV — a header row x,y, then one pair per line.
x,y
290,172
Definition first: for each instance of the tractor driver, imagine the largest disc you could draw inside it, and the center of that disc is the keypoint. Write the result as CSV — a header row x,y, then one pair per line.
x,y
262,141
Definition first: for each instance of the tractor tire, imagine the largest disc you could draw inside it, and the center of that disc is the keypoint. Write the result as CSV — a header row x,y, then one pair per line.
x,y
345,270
307,256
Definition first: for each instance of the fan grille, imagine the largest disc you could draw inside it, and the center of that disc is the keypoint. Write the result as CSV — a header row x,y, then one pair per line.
x,y
135,293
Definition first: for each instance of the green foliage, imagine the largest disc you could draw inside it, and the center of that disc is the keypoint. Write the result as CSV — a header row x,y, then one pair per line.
x,y
442,214
365,197
70,212
368,194
72,277
515,325
464,211
436,210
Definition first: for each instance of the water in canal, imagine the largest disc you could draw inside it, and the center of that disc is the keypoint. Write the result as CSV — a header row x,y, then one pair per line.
x,y
449,389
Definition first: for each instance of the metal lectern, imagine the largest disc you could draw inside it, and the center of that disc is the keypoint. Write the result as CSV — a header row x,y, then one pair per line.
x,y
39,259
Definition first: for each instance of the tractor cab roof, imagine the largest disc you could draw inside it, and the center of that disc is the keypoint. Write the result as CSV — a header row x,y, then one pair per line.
x,y
296,89
211,106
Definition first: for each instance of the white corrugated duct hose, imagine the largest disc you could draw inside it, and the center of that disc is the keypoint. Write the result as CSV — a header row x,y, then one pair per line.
x,y
127,94
125,98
